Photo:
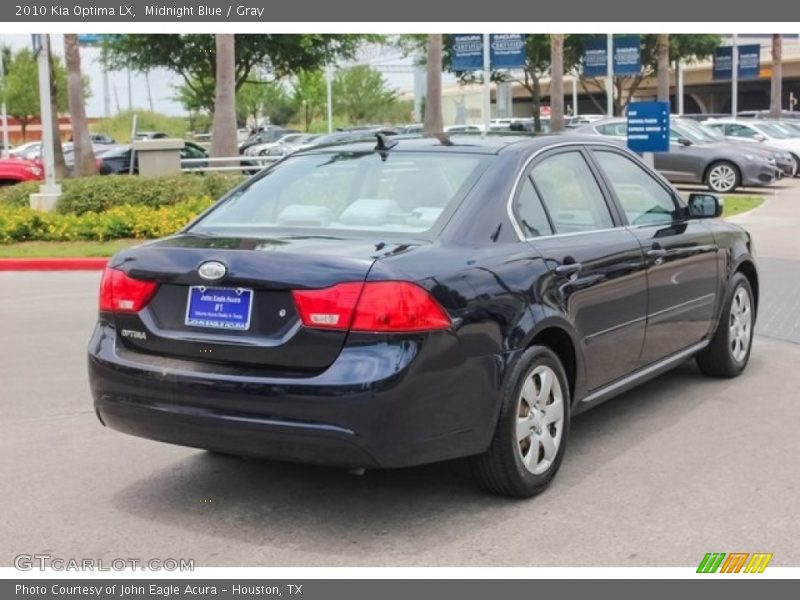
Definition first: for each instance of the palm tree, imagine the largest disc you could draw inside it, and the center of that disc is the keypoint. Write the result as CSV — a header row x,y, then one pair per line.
x,y
434,122
557,82
776,84
223,132
662,68
82,144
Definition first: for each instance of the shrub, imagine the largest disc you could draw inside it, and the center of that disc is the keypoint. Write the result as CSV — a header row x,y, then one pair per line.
x,y
18,224
100,193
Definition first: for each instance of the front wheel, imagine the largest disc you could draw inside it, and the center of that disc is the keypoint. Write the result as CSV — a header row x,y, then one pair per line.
x,y
532,430
729,350
722,177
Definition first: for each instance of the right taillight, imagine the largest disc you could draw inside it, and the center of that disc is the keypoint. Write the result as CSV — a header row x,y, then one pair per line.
x,y
122,294
375,306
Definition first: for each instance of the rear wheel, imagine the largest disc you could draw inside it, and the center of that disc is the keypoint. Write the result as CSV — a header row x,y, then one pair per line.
x,y
729,351
723,177
531,434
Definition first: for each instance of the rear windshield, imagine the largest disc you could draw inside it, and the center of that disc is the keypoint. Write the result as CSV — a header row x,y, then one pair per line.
x,y
405,193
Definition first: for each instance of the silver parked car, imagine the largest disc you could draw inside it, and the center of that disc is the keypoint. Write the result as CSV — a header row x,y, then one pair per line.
x,y
692,158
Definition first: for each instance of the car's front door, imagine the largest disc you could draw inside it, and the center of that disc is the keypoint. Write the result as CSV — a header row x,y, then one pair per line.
x,y
597,267
681,254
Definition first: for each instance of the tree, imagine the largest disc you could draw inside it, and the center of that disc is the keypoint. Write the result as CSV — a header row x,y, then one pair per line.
x,y
193,56
557,82
662,66
59,164
309,95
361,94
84,155
683,47
20,88
223,132
776,82
434,121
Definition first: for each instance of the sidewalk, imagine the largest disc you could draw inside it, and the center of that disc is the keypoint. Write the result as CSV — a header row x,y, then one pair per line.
x,y
775,227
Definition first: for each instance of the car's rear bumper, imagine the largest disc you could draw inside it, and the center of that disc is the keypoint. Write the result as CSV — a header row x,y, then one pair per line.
x,y
393,403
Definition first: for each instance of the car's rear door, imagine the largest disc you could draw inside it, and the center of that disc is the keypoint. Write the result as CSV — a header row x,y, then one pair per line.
x,y
597,267
681,254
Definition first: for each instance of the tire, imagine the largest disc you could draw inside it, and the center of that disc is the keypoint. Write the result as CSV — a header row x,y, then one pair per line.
x,y
723,177
796,172
728,352
502,468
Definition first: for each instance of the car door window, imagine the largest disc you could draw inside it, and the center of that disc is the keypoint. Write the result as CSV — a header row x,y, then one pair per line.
x,y
530,212
570,193
742,131
644,200
613,129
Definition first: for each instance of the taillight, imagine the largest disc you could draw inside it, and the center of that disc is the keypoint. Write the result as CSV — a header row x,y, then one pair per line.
x,y
123,294
374,306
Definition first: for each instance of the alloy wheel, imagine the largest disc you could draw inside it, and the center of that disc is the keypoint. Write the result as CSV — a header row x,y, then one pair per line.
x,y
540,419
722,178
740,325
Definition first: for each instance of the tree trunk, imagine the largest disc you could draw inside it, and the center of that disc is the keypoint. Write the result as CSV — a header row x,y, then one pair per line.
x,y
662,70
223,131
557,82
84,154
536,100
60,166
434,121
776,84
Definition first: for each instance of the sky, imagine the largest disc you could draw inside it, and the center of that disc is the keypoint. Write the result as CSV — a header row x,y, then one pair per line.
x,y
162,82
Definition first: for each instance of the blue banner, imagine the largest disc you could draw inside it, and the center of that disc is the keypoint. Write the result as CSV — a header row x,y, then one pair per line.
x,y
467,52
627,56
648,126
749,62
595,57
507,50
90,39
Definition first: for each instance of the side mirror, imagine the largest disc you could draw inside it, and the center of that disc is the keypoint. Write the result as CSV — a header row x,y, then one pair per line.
x,y
704,206
684,141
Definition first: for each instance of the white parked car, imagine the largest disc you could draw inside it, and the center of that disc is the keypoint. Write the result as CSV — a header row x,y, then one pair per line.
x,y
759,131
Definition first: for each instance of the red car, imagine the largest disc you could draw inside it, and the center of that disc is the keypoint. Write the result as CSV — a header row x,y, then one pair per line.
x,y
17,170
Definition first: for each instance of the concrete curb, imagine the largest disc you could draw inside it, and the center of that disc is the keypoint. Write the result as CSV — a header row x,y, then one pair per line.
x,y
52,264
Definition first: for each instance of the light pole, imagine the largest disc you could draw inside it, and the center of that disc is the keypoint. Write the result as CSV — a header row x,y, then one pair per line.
x,y
49,191
3,113
735,76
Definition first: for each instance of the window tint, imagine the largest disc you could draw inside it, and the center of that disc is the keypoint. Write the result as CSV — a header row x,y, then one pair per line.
x,y
403,192
644,200
616,129
571,194
736,130
530,212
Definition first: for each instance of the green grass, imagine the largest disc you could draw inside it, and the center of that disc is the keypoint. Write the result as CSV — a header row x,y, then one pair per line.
x,y
735,205
64,249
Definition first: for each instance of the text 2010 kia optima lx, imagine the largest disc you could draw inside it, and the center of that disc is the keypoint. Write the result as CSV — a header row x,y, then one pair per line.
x,y
388,304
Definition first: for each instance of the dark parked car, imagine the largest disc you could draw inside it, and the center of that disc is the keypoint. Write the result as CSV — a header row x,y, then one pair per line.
x,y
416,300
118,160
692,158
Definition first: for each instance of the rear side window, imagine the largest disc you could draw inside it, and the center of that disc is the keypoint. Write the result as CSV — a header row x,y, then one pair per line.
x,y
530,212
571,194
405,192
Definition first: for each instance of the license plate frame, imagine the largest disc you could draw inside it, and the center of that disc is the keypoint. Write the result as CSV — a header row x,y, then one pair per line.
x,y
214,312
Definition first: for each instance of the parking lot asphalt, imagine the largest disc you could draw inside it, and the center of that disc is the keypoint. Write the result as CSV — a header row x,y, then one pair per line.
x,y
681,466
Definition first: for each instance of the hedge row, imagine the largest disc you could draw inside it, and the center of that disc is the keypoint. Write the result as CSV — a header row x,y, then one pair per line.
x,y
20,223
100,193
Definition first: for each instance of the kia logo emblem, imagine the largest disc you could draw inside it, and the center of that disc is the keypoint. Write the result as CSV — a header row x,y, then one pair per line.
x,y
212,270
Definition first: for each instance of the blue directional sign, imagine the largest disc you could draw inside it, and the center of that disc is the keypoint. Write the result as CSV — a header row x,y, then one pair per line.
x,y
749,62
507,50
91,39
467,52
648,126
627,56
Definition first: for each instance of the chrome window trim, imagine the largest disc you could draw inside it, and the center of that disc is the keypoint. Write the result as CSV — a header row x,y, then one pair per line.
x,y
509,204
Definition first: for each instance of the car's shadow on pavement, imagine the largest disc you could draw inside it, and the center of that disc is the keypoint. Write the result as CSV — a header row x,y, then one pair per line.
x,y
292,506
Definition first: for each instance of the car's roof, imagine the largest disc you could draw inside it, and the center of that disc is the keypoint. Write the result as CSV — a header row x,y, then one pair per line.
x,y
456,142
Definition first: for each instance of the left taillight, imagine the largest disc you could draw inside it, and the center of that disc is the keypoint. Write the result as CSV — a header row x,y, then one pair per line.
x,y
122,294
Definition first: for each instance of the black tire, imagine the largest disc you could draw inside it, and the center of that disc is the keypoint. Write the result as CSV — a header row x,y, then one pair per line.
x,y
717,359
796,166
723,164
501,469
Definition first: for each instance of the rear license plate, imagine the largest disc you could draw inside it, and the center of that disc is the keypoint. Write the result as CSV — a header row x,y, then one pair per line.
x,y
222,308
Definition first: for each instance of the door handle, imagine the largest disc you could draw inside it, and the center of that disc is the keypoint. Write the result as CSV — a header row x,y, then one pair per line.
x,y
568,268
656,253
